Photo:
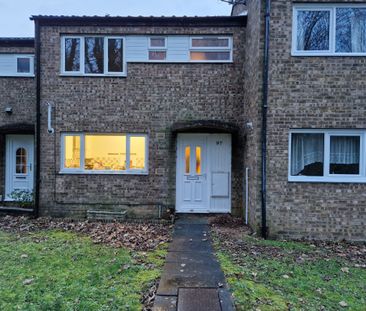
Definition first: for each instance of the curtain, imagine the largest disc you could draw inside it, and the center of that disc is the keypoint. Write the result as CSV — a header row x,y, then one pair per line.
x,y
306,149
358,30
344,149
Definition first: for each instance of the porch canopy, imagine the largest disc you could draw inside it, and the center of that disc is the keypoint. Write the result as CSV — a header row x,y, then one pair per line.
x,y
17,128
204,126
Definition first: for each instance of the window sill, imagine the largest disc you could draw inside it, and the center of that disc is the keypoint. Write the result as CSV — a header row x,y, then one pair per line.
x,y
78,75
66,172
337,180
17,75
326,54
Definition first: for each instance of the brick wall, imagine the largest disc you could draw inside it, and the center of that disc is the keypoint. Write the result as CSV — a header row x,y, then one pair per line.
x,y
149,100
311,92
18,93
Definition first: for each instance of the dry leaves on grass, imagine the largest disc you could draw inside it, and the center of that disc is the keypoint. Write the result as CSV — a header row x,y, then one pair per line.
x,y
135,236
231,233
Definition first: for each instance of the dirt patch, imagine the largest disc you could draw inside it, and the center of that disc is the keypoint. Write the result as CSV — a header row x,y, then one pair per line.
x,y
138,237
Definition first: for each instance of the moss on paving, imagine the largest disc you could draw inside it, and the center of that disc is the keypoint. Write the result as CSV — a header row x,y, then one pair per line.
x,y
262,282
66,271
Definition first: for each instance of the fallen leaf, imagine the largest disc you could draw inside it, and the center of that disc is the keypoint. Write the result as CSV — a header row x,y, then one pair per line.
x,y
345,270
28,281
343,304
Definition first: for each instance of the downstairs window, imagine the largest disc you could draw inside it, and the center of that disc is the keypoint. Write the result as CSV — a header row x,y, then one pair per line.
x,y
327,155
104,153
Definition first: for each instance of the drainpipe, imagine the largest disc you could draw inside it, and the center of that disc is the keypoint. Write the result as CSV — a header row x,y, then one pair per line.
x,y
264,118
38,117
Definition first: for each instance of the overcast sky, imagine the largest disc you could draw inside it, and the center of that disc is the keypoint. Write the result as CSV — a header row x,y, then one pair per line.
x,y
14,14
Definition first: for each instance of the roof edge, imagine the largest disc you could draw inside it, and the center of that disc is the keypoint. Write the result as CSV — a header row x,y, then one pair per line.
x,y
16,42
194,21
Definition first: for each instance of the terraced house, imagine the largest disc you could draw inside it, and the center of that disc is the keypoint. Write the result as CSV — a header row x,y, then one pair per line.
x,y
259,114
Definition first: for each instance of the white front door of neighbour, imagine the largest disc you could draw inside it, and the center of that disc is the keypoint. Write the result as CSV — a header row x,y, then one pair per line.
x,y
19,164
203,173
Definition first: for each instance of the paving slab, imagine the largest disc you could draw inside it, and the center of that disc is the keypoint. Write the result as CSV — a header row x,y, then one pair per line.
x,y
198,299
165,303
189,257
182,244
192,219
191,275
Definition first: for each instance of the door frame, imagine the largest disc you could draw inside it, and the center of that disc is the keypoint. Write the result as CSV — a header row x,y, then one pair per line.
x,y
9,159
209,137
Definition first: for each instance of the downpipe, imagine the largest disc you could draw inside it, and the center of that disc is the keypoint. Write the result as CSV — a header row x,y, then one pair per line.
x,y
264,229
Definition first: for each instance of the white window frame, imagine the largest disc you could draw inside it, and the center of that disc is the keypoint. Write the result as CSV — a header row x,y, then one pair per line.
x,y
229,48
332,7
82,170
81,72
327,177
157,49
31,65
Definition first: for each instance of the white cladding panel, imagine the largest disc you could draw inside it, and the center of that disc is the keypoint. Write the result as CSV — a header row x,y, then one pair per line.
x,y
136,48
7,64
178,49
220,164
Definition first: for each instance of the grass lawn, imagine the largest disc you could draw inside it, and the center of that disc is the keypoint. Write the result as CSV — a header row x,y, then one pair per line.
x,y
56,270
274,275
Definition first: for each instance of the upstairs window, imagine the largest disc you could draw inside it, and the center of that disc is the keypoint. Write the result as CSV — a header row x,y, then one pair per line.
x,y
210,49
329,29
157,48
23,65
93,55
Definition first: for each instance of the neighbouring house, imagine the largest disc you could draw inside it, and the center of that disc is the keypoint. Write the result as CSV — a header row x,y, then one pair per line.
x,y
259,114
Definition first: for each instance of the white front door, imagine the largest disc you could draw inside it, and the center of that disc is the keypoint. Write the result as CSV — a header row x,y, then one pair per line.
x,y
19,163
203,173
192,185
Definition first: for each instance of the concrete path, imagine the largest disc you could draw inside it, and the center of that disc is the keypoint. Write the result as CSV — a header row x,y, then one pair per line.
x,y
192,279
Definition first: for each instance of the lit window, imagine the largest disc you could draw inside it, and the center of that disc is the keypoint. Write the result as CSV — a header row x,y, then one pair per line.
x,y
206,56
93,55
157,48
137,152
187,161
23,65
327,155
329,29
103,153
72,151
198,160
210,49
